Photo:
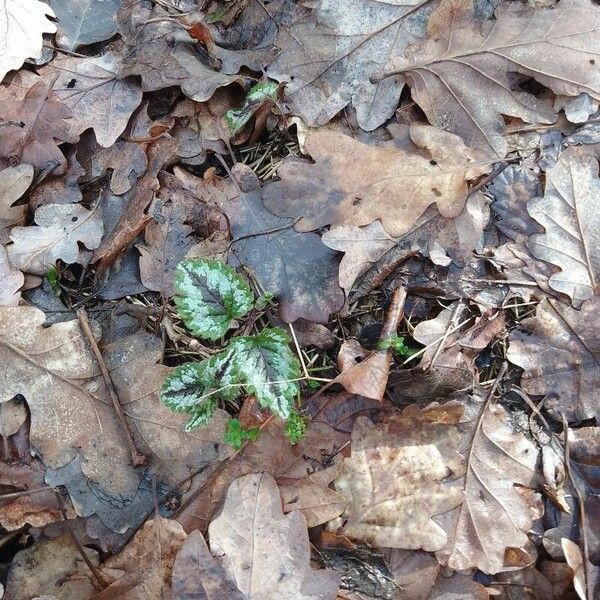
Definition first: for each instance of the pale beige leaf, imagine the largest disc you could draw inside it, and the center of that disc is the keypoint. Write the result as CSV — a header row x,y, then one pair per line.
x,y
362,247
576,562
560,354
393,481
12,281
569,213
461,75
351,183
97,94
266,552
14,182
59,230
494,515
21,27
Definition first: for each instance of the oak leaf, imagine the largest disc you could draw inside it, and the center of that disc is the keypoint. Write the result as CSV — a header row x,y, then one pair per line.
x,y
569,213
14,182
32,128
264,551
461,75
12,281
95,94
351,183
59,230
559,351
394,480
21,28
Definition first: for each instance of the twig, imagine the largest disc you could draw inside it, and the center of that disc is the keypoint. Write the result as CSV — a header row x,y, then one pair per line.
x,y
299,352
137,457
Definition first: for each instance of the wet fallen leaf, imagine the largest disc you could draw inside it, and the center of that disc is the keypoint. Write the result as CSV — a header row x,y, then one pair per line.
x,y
264,551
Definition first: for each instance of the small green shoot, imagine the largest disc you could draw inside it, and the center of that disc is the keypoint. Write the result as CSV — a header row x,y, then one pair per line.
x,y
236,435
397,344
295,427
259,95
53,278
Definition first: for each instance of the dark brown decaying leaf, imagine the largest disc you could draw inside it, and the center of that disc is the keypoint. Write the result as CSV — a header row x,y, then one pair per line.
x,y
559,352
460,76
298,268
197,575
351,183
568,211
394,479
167,241
264,551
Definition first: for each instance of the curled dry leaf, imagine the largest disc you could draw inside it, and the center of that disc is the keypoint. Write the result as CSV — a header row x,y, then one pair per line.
x,y
362,247
264,551
569,213
351,183
559,352
461,75
59,230
394,480
21,29
14,182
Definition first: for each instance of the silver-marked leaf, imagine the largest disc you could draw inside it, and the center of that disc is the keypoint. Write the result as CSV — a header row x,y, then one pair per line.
x,y
209,295
259,95
197,388
267,367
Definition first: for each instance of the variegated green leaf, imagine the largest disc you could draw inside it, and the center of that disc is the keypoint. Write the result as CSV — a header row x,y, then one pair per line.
x,y
266,366
209,295
197,388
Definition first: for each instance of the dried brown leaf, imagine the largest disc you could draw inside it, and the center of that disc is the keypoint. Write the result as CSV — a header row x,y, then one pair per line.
x,y
14,182
32,128
394,479
569,213
558,349
456,73
264,551
351,183
12,281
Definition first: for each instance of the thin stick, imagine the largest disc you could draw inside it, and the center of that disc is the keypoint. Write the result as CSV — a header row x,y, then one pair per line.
x,y
299,352
137,458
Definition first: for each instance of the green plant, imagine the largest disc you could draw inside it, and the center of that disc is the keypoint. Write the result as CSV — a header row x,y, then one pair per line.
x,y
261,94
295,427
53,277
209,297
396,343
236,435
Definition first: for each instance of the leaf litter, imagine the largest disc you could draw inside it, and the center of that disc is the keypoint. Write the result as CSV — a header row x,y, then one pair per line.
x,y
299,299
